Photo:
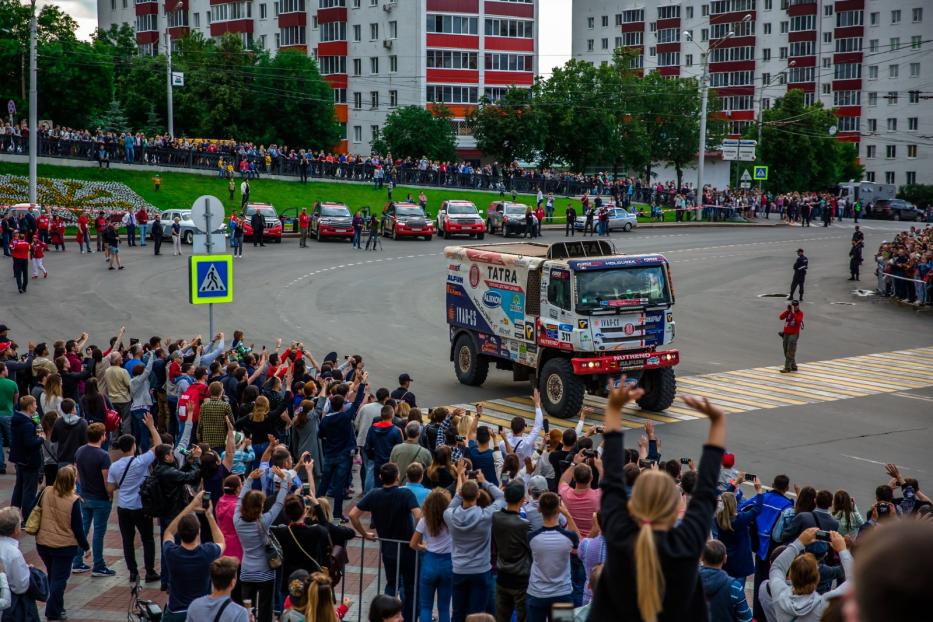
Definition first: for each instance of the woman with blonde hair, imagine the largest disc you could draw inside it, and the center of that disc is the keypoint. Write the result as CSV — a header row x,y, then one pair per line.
x,y
733,529
51,398
640,533
60,535
431,537
320,600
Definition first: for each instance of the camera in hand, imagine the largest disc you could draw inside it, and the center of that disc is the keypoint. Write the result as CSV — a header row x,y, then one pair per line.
x,y
822,535
589,453
306,489
562,612
472,474
685,460
460,438
750,477
646,464
882,509
206,500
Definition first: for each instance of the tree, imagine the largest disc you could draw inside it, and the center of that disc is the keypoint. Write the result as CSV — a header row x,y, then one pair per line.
x,y
413,131
112,120
153,125
799,149
506,130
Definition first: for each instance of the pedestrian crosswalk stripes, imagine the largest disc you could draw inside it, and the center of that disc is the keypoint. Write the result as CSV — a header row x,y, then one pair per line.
x,y
759,388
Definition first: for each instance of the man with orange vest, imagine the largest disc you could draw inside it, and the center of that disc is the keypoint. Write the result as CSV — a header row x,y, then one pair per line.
x,y
19,249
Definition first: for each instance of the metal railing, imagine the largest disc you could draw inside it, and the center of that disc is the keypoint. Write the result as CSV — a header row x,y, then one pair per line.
x,y
909,289
357,583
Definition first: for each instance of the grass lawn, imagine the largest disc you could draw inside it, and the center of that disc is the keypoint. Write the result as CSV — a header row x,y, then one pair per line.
x,y
179,190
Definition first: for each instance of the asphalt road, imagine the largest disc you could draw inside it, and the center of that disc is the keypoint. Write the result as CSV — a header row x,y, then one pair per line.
x,y
388,306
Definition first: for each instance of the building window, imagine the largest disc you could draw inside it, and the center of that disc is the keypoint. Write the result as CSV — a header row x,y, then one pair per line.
x,y
916,41
872,45
393,99
450,94
669,59
373,32
393,29
374,100
591,22
891,97
605,21
914,70
605,43
669,12
393,64
889,177
509,62
873,72
848,18
872,125
263,10
870,176
918,15
782,53
292,35
766,103
802,48
826,88
827,10
911,177
357,133
452,24
765,79
895,43
704,34
340,96
874,18
668,35
768,5
911,151
589,45
333,31
688,60
896,16
689,12
827,37
374,65
800,23
893,71
766,28
847,124
870,152
849,44
784,26
633,16
197,20
292,6
357,66
450,59
514,28
704,10
357,32
872,98
847,98
913,97
652,51
827,62
912,124
357,100
892,124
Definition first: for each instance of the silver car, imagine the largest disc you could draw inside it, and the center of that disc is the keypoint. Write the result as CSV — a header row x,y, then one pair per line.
x,y
188,228
619,220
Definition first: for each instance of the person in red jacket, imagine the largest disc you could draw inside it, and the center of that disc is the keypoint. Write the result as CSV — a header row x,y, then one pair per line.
x,y
793,322
19,249
304,222
100,223
38,256
42,225
142,221
58,233
84,233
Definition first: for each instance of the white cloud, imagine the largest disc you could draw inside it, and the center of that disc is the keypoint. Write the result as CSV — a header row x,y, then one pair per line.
x,y
83,11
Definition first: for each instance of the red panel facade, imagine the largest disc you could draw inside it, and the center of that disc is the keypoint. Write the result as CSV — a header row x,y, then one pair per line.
x,y
733,65
724,91
847,85
236,26
510,9
728,18
664,48
669,71
668,23
848,57
806,87
804,61
634,27
805,35
147,37
741,115
332,48
326,16
465,42
149,8
292,19
336,81
849,31
850,5
848,111
179,32
510,45
802,9
454,6
452,76
519,78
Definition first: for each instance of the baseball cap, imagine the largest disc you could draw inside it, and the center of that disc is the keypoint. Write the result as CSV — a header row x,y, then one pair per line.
x,y
330,357
404,378
4,345
514,492
537,485
728,460
4,328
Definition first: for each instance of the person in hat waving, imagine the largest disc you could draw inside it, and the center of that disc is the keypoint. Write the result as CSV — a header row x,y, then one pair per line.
x,y
403,391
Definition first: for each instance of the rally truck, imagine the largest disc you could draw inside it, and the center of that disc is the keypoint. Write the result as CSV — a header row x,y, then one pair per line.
x,y
570,317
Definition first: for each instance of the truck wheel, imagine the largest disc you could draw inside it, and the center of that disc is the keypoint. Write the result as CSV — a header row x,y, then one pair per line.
x,y
561,390
660,385
471,368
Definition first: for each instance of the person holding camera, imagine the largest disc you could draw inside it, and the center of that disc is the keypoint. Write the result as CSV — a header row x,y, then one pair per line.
x,y
582,503
793,322
798,600
189,563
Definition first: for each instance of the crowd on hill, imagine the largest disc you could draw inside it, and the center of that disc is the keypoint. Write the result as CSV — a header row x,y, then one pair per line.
x,y
244,456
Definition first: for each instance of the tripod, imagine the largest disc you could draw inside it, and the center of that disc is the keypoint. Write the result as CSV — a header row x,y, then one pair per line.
x,y
376,240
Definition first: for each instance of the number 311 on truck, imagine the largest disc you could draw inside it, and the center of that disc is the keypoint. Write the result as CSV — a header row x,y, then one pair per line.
x,y
570,316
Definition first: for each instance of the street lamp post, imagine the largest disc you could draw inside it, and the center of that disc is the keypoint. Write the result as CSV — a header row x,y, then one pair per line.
x,y
33,112
169,112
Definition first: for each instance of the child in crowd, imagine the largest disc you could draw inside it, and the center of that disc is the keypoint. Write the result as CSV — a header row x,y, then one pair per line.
x,y
242,456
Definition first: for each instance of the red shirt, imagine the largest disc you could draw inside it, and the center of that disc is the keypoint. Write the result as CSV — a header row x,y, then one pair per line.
x,y
142,217
19,249
793,320
82,221
38,249
100,223
43,222
304,221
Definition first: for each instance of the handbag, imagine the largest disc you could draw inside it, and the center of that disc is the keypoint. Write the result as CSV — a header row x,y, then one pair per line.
x,y
38,585
272,547
301,548
338,562
112,420
35,516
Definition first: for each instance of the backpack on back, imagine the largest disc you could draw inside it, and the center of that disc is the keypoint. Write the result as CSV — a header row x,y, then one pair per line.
x,y
150,493
784,519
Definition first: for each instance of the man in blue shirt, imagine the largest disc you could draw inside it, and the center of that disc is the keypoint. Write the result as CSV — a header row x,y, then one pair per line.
x,y
414,474
339,444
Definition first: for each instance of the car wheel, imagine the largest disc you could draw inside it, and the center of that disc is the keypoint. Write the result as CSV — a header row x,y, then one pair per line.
x,y
317,235
897,215
446,234
278,240
188,237
394,233
429,237
627,227
480,236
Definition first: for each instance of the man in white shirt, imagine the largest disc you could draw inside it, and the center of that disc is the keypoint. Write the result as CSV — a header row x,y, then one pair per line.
x,y
126,476
14,564
521,443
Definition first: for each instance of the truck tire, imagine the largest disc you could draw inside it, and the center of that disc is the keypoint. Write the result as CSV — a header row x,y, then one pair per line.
x,y
470,367
660,386
561,391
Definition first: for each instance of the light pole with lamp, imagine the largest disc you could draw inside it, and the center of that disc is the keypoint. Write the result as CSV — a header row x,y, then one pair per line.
x,y
33,112
169,104
704,105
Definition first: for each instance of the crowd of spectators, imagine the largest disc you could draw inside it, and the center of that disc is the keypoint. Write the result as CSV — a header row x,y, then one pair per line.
x,y
905,266
244,457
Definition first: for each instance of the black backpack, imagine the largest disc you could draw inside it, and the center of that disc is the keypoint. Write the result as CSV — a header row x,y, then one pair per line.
x,y
150,493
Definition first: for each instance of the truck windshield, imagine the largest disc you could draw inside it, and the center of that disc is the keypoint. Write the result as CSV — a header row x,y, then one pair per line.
x,y
628,287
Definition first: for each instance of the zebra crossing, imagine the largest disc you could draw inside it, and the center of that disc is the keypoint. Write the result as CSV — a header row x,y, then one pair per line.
x,y
755,389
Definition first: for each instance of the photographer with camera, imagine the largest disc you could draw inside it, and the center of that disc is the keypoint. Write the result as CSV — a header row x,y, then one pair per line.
x,y
188,563
793,322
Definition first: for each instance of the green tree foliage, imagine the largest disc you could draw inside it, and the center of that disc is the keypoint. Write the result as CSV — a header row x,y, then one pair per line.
x,y
920,195
112,120
799,149
412,132
508,129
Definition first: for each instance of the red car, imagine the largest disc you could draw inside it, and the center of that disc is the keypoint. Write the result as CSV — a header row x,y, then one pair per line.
x,y
406,219
273,224
331,220
460,218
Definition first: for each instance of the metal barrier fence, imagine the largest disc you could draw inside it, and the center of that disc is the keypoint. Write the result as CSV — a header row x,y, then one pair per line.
x,y
901,287
391,561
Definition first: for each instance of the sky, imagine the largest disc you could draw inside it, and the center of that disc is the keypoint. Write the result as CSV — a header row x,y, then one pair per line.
x,y
554,29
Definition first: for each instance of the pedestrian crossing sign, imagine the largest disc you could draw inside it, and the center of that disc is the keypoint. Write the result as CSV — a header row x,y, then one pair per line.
x,y
761,173
210,279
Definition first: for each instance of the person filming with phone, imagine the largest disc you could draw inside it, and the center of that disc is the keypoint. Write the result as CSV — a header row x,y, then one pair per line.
x,y
793,322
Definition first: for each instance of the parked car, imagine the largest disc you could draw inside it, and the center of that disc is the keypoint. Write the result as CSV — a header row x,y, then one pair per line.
x,y
406,219
331,220
619,219
896,209
273,230
188,228
460,218
506,218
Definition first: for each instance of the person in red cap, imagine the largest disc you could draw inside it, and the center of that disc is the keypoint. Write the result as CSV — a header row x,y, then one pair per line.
x,y
728,473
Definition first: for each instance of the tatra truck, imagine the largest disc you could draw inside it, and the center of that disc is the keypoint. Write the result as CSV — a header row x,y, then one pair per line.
x,y
572,317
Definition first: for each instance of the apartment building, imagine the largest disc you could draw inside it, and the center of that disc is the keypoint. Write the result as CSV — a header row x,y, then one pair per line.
x,y
868,60
376,54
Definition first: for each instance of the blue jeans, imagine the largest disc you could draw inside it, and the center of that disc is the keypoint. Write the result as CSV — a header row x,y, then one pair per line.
x,y
25,489
539,609
577,579
142,233
6,432
334,479
140,431
369,482
99,512
6,244
357,234
435,578
58,566
470,594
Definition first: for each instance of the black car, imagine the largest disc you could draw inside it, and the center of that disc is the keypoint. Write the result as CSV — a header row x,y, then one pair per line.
x,y
896,209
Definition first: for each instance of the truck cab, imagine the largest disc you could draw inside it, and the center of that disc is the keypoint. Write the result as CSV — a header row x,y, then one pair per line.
x,y
572,316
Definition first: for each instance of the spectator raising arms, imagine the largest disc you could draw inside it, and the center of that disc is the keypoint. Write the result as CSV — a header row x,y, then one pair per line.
x,y
642,539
